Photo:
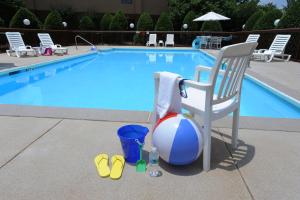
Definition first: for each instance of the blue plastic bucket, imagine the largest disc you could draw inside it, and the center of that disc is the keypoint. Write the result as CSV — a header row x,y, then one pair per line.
x,y
128,135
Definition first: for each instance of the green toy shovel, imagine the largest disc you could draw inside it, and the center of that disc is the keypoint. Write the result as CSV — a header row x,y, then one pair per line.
x,y
140,164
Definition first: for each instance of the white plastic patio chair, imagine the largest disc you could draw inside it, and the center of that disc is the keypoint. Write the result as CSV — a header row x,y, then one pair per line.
x,y
152,40
46,42
215,42
17,45
252,38
276,50
204,41
211,101
170,40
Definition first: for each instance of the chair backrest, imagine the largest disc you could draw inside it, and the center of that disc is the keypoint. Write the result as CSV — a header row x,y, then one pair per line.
x,y
45,39
235,58
152,39
215,40
15,40
252,38
170,38
279,43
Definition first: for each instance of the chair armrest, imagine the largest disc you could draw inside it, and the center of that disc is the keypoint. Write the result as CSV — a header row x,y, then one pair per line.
x,y
189,83
260,50
198,70
201,68
198,85
58,45
28,47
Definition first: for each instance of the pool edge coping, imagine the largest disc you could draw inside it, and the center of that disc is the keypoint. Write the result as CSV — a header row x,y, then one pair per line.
x,y
41,64
131,116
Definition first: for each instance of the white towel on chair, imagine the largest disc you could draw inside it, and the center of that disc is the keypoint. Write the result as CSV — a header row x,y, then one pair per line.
x,y
168,97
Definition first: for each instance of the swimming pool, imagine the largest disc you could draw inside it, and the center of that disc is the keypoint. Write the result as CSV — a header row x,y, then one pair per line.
x,y
123,79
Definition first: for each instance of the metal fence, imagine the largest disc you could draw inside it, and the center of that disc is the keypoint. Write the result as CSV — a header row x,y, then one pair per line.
x,y
182,38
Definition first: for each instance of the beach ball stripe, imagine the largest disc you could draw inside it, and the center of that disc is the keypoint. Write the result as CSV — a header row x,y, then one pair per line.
x,y
185,136
177,139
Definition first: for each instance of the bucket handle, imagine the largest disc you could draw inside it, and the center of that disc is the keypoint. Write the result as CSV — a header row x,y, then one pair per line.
x,y
137,141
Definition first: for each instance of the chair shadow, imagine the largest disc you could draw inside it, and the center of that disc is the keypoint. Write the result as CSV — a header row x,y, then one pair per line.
x,y
222,157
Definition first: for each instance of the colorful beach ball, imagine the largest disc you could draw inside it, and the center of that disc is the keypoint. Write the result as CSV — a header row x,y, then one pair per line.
x,y
177,139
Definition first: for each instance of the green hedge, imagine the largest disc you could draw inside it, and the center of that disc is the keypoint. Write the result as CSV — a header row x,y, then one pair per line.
x,y
23,13
291,18
2,23
70,16
267,20
118,22
253,19
105,21
145,22
211,26
53,21
86,23
164,23
188,19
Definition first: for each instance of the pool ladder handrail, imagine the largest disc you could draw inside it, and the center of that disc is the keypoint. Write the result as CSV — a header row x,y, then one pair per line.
x,y
78,36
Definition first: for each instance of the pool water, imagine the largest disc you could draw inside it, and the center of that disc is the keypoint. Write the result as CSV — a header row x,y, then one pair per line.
x,y
123,79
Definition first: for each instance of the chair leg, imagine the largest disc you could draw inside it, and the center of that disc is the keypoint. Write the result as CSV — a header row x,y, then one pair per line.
x,y
235,128
206,145
270,59
18,54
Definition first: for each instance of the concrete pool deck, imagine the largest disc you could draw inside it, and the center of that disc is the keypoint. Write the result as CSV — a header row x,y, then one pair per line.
x,y
47,153
52,158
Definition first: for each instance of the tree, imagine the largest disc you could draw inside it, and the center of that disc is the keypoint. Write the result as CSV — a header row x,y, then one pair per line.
x,y
21,14
86,23
188,19
68,15
96,18
253,19
118,22
179,8
145,22
291,18
243,12
53,20
105,21
211,26
267,20
290,2
164,23
2,23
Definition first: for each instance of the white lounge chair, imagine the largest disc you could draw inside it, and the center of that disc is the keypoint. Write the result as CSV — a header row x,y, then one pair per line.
x,y
17,46
46,42
252,38
152,40
276,50
211,101
170,40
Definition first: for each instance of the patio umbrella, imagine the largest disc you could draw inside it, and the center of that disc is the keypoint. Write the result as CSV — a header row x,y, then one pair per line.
x,y
211,16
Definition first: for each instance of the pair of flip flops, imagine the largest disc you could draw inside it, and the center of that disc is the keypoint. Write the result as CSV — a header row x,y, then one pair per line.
x,y
117,161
